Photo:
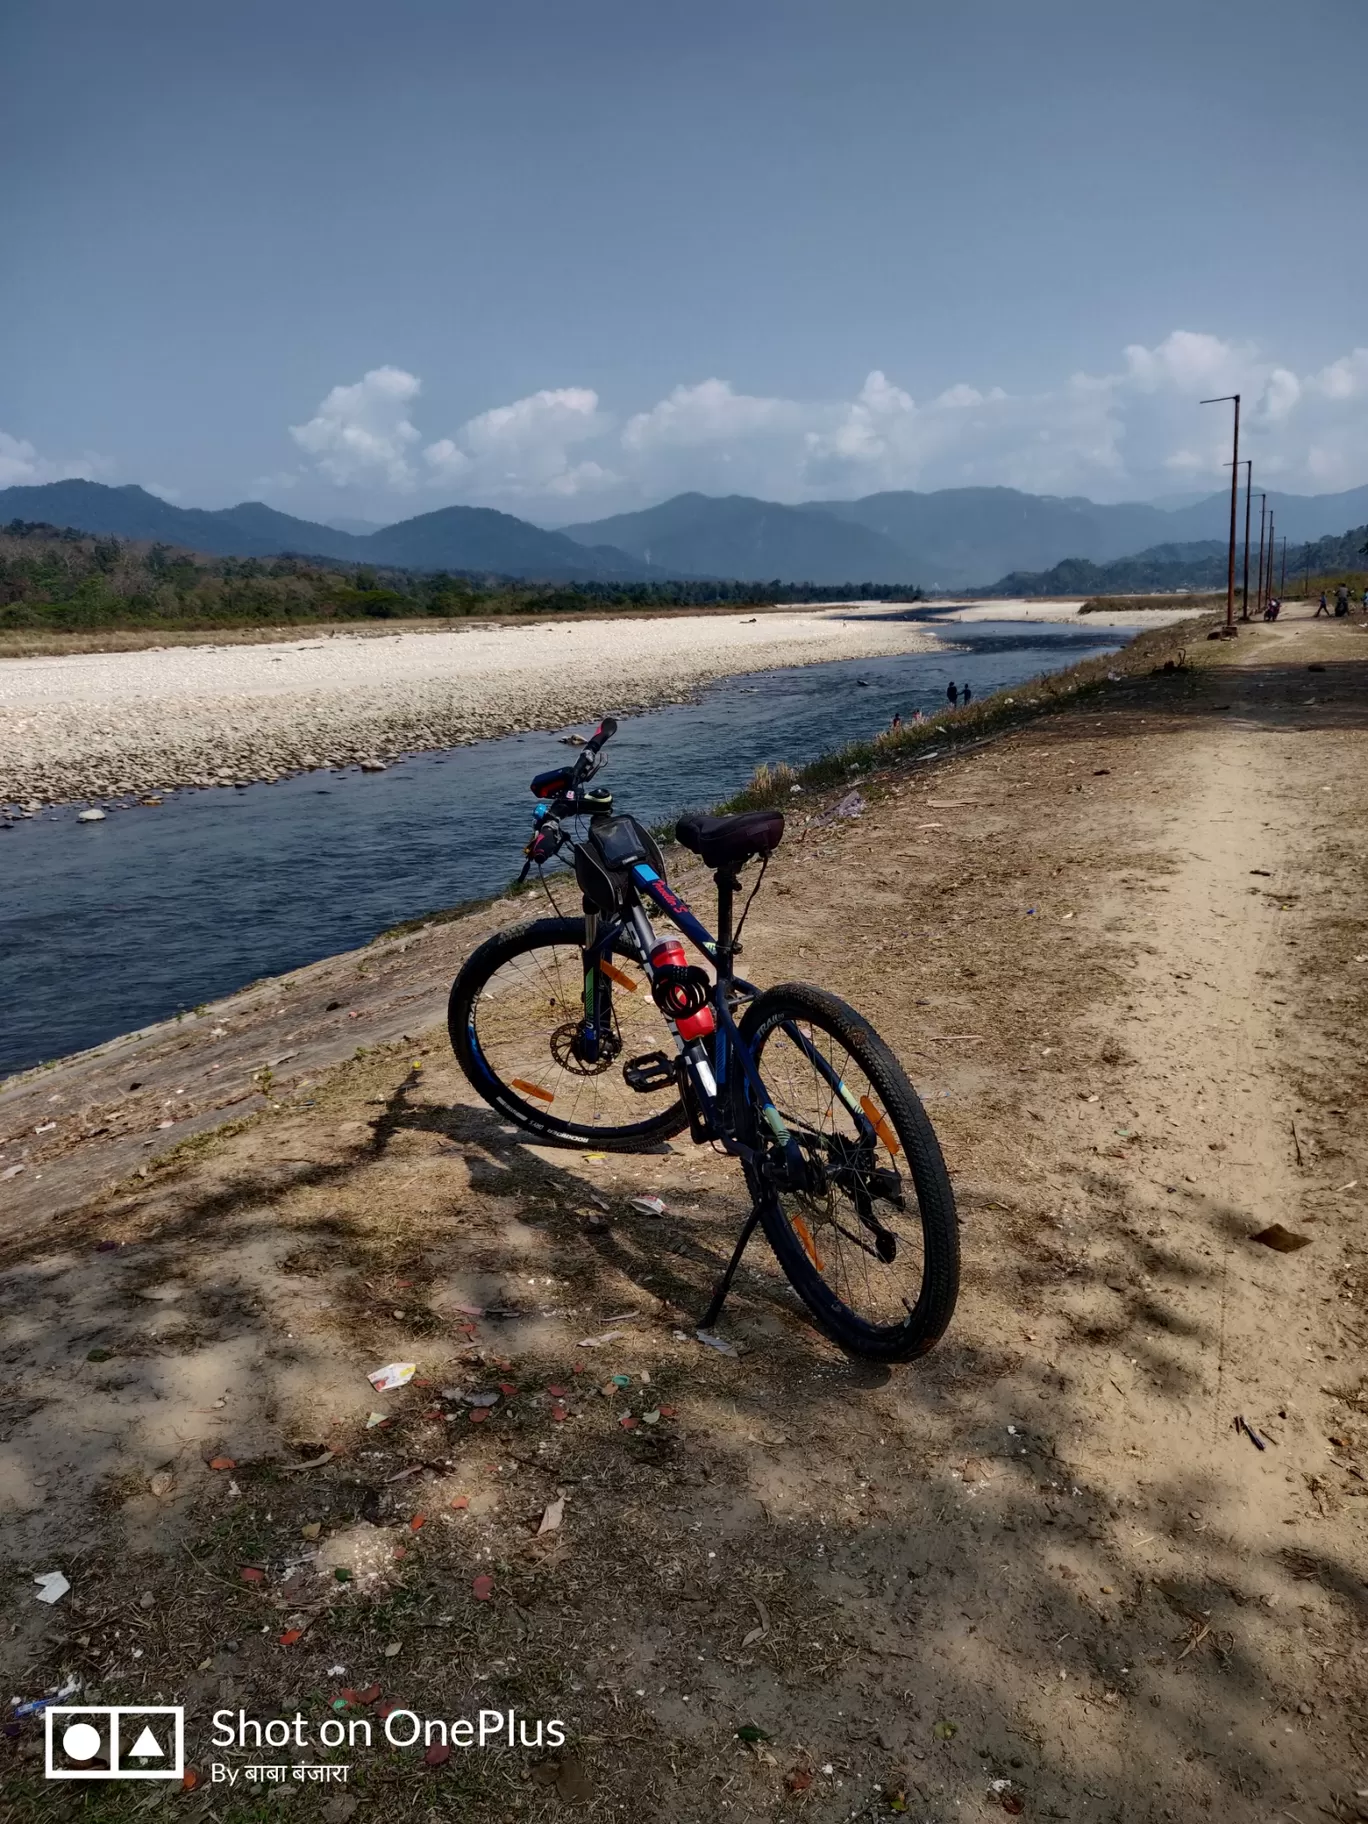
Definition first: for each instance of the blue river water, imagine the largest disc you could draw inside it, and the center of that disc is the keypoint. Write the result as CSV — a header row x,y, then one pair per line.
x,y
109,926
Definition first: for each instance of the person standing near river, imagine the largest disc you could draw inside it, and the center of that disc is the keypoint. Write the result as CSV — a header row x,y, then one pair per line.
x,y
952,692
966,696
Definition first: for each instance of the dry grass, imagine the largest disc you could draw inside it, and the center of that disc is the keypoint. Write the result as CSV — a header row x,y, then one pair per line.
x,y
949,729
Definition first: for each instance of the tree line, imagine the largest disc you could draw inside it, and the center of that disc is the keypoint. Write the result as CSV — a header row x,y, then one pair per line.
x,y
61,578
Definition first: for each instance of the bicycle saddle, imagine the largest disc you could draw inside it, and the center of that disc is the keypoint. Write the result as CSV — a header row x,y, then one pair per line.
x,y
729,841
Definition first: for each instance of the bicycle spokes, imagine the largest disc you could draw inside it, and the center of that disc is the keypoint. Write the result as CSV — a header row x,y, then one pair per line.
x,y
850,1206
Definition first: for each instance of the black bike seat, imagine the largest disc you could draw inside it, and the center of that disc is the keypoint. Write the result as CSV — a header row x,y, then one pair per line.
x,y
728,841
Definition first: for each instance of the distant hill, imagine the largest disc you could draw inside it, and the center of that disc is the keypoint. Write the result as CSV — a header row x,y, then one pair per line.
x,y
698,535
962,537
1201,564
1329,559
955,538
472,539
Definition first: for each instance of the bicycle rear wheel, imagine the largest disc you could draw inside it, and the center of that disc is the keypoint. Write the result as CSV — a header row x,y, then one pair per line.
x,y
514,1014
867,1232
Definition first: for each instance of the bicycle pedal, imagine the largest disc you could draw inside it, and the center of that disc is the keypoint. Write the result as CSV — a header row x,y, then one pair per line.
x,y
652,1070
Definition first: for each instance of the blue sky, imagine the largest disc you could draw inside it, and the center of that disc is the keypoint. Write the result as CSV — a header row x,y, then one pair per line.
x,y
363,260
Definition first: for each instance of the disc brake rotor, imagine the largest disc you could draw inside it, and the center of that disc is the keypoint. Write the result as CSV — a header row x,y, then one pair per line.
x,y
567,1047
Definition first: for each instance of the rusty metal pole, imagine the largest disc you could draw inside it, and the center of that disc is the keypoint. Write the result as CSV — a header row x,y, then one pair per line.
x,y
1244,587
1233,398
1263,518
1268,580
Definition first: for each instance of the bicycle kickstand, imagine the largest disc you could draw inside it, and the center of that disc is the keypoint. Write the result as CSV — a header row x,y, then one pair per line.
x,y
723,1286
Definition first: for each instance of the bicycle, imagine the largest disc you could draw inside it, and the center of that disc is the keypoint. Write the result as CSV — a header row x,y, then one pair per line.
x,y
553,1023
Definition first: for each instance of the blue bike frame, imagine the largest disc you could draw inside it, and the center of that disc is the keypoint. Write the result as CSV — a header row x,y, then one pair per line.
x,y
727,1039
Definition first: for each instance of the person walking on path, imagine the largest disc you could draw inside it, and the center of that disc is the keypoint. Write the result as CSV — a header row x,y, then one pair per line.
x,y
1324,608
952,693
1341,601
1365,598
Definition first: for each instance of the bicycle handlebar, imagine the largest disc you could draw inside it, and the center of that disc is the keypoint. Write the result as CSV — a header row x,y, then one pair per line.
x,y
558,790
601,735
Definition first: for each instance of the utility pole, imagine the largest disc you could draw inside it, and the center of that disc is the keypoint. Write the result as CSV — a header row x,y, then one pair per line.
x,y
1283,584
1228,398
1263,518
1244,587
1272,547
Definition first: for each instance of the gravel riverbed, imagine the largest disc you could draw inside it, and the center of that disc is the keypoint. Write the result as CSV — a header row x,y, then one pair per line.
x,y
104,725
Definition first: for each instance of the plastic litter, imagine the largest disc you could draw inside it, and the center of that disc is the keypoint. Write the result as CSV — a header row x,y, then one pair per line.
x,y
90,816
648,1206
551,1519
597,1342
1243,1425
392,1375
488,1397
712,1341
52,1586
35,1705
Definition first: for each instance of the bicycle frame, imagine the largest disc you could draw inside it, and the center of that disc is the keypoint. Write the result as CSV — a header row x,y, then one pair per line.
x,y
711,1082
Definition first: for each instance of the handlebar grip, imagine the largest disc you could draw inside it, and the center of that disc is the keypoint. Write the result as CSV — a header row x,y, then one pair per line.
x,y
604,732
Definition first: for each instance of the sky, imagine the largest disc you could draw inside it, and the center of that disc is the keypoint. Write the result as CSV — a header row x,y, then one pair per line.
x,y
567,260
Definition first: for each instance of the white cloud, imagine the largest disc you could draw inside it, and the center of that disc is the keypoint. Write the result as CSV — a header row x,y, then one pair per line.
x,y
694,416
361,433
22,467
1116,435
1346,378
523,450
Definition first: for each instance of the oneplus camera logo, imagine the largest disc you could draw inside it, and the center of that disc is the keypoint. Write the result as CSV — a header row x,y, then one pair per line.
x,y
115,1742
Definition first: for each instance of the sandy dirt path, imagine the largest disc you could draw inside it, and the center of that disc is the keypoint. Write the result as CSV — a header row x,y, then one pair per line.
x,y
1122,951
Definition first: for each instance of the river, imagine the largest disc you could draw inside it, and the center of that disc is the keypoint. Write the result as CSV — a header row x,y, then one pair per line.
x,y
110,926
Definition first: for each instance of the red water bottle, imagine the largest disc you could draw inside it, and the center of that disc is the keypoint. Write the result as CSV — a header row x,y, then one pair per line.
x,y
693,1019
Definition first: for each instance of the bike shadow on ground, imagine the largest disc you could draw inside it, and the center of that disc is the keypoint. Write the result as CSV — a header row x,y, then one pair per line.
x,y
676,1259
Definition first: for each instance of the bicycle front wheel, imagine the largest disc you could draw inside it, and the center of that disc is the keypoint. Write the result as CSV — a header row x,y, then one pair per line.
x,y
866,1229
515,1018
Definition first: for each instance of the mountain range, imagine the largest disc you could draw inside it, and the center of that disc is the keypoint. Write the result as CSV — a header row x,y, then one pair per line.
x,y
475,539
956,538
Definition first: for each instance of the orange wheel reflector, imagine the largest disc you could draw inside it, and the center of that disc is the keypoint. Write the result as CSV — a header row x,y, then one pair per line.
x,y
804,1235
880,1123
616,975
533,1089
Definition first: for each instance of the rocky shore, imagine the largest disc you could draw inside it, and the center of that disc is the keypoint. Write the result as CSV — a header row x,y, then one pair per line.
x,y
97,726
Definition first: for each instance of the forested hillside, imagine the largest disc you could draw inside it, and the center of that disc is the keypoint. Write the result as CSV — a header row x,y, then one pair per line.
x,y
59,579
